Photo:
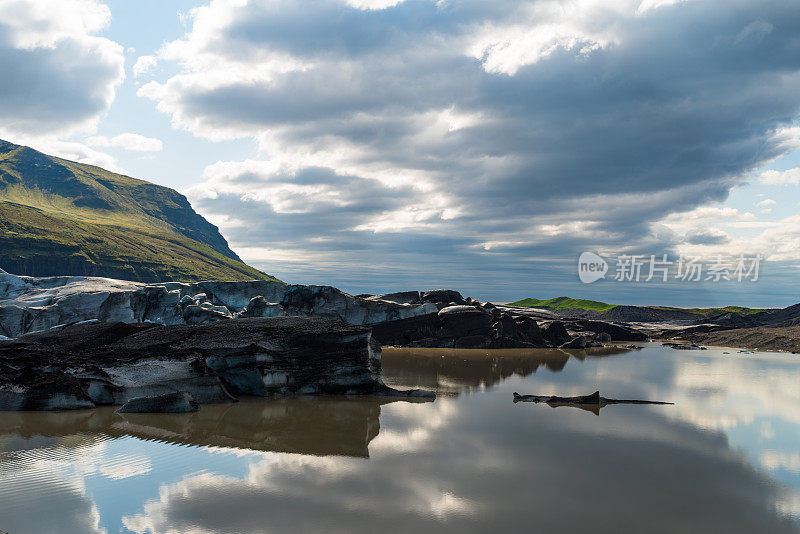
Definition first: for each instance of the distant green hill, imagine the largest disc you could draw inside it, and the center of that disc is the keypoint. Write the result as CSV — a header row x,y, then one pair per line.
x,y
564,303
567,303
58,217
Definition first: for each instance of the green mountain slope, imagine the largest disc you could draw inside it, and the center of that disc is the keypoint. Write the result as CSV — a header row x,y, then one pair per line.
x,y
59,217
567,303
563,303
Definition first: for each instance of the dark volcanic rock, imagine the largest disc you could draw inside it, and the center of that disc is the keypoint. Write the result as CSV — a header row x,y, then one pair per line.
x,y
683,346
85,365
461,327
556,333
442,296
513,331
578,342
178,402
407,331
617,332
460,321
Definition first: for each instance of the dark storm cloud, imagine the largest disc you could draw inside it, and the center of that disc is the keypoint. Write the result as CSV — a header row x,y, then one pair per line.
x,y
621,118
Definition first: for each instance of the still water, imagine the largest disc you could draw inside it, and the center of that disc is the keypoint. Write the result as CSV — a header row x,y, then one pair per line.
x,y
724,458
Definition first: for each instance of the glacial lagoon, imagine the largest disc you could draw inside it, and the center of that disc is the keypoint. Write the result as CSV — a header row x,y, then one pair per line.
x,y
724,458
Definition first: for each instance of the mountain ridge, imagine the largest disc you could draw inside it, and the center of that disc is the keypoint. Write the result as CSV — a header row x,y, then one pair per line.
x,y
61,217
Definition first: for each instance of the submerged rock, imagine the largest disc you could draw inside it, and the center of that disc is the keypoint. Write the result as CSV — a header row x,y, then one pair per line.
x,y
579,342
593,402
92,364
177,402
683,346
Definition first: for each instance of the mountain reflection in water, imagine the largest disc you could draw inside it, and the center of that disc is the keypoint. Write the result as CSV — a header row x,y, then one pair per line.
x,y
720,460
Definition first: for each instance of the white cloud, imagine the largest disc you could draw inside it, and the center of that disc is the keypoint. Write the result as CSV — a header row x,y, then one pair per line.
x,y
710,213
373,4
647,5
69,150
127,141
766,205
46,23
539,29
772,177
143,65
778,240
64,77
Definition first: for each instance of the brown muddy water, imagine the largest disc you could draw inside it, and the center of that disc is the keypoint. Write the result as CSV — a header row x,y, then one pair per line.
x,y
724,458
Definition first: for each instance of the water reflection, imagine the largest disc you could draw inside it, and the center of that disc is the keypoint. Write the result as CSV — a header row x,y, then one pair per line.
x,y
455,370
304,425
720,460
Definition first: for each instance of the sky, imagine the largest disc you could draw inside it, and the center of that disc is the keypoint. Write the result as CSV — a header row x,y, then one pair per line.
x,y
382,145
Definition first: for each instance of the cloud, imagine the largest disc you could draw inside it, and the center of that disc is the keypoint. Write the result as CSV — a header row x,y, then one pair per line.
x,y
772,177
548,127
707,236
766,205
711,213
127,141
143,65
776,241
59,77
373,4
70,150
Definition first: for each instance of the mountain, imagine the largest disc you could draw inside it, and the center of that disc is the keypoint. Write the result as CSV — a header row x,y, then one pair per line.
x,y
591,309
58,217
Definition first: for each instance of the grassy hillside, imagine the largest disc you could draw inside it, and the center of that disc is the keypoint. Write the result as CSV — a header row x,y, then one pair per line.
x,y
567,303
60,217
707,312
564,303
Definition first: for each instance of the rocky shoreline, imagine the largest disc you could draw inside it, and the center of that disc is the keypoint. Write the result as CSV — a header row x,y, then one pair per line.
x,y
98,364
436,318
81,342
771,338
